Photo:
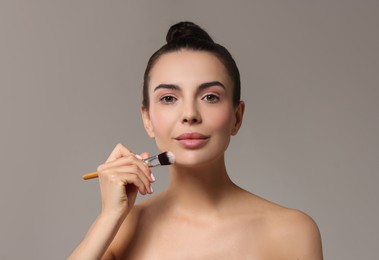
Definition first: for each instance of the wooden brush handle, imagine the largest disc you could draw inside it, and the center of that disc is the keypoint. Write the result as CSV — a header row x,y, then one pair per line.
x,y
91,175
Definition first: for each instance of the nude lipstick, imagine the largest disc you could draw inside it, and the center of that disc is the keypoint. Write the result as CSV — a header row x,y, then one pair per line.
x,y
192,140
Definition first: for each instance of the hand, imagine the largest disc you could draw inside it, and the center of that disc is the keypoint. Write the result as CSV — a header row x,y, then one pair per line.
x,y
120,178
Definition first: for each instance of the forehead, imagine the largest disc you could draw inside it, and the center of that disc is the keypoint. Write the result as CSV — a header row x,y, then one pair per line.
x,y
187,66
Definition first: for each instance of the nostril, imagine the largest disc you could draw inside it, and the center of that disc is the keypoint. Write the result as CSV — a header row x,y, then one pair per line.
x,y
193,120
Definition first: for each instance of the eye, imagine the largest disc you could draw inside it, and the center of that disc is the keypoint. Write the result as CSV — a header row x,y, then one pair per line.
x,y
168,99
211,98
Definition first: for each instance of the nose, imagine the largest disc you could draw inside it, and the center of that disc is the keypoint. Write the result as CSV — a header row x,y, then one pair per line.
x,y
191,114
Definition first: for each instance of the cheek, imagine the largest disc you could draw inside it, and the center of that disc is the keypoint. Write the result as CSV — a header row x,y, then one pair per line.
x,y
221,120
162,121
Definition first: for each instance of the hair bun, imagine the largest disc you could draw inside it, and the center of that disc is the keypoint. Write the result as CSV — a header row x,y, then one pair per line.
x,y
186,30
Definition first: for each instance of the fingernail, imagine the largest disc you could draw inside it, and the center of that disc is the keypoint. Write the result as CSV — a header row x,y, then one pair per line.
x,y
152,177
138,156
151,188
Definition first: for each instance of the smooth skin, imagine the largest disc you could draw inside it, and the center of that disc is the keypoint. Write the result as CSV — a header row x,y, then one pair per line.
x,y
202,214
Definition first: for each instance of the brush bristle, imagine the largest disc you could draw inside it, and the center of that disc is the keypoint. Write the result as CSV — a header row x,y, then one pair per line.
x,y
166,158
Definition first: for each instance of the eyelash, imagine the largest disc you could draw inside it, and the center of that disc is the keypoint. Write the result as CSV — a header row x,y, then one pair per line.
x,y
165,101
215,98
209,98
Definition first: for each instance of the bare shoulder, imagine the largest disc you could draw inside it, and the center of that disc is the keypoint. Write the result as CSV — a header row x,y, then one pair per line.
x,y
295,225
300,233
292,232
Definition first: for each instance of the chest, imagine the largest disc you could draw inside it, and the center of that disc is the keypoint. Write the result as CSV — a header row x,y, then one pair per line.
x,y
223,240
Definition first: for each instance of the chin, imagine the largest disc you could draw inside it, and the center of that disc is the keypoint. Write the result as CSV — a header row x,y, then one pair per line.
x,y
196,158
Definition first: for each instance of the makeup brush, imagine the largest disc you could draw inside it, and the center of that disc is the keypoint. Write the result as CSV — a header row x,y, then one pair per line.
x,y
165,158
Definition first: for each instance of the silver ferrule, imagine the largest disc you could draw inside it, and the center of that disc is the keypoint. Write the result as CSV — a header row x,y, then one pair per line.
x,y
152,161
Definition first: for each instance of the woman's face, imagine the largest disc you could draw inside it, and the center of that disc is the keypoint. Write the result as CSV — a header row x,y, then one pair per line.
x,y
191,110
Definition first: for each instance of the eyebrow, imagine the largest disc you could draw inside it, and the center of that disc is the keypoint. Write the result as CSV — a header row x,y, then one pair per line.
x,y
201,86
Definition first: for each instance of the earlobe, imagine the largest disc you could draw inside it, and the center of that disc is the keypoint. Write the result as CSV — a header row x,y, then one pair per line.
x,y
239,111
147,122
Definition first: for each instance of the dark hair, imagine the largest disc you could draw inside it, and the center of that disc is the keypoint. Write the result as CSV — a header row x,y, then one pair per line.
x,y
187,35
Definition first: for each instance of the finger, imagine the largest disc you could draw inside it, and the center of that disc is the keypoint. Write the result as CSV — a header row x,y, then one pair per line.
x,y
118,152
135,170
123,178
125,161
151,176
137,182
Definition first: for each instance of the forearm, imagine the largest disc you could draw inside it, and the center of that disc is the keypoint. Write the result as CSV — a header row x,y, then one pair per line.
x,y
98,238
120,179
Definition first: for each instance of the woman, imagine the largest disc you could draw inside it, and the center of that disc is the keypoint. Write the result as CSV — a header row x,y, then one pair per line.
x,y
191,107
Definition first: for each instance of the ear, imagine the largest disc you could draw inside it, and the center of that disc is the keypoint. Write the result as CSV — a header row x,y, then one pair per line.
x,y
146,121
238,113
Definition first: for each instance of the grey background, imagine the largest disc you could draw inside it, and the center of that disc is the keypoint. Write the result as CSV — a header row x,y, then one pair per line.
x,y
71,76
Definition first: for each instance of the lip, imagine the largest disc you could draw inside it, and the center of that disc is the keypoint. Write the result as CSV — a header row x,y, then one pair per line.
x,y
192,140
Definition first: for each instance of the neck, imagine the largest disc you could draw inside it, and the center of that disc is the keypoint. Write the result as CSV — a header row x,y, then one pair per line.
x,y
199,189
